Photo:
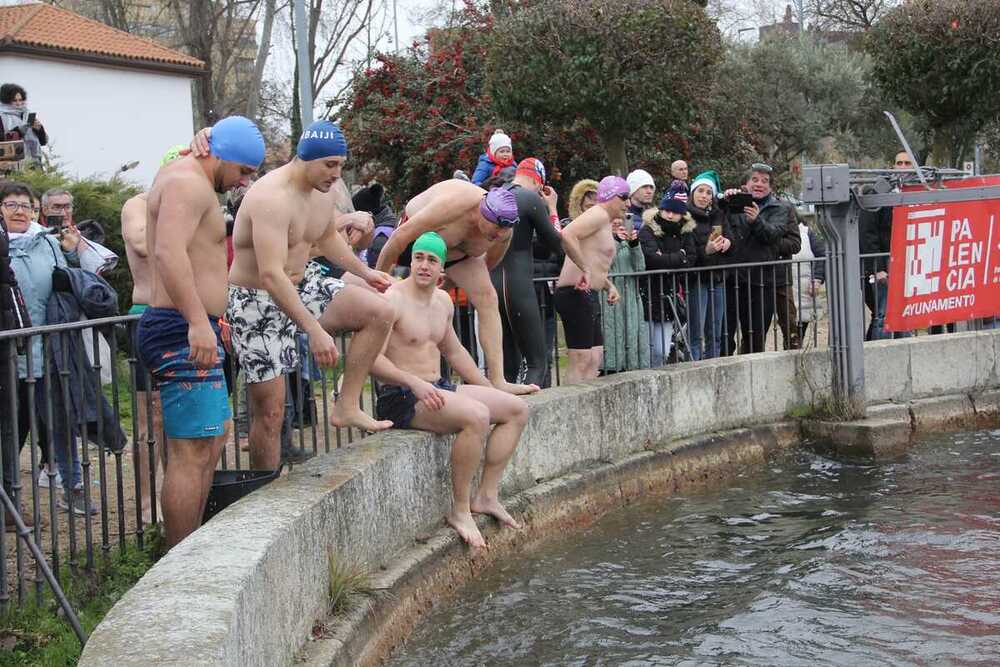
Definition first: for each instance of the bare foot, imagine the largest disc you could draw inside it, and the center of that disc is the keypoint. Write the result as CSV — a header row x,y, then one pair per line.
x,y
466,528
516,389
492,506
355,418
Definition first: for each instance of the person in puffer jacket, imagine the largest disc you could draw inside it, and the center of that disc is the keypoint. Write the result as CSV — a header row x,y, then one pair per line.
x,y
499,154
667,241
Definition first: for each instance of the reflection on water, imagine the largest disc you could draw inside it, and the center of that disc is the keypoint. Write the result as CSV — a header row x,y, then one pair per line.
x,y
807,561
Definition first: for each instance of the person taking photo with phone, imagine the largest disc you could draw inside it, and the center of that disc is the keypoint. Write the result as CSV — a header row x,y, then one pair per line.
x,y
17,123
707,289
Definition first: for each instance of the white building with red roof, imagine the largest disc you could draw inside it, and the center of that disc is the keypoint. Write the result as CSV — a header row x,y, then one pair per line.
x,y
105,97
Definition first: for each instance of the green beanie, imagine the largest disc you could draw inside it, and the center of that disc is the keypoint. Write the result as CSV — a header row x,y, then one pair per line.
x,y
433,243
172,154
709,178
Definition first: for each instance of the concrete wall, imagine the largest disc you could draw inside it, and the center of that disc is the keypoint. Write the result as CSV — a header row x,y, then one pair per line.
x,y
99,118
246,588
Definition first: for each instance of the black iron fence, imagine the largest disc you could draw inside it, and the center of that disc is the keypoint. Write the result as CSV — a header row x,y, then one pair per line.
x,y
80,411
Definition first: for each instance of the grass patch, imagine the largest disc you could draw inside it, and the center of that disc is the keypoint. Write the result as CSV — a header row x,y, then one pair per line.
x,y
39,635
346,583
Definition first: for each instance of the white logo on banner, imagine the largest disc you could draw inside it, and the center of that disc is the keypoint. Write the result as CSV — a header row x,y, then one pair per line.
x,y
924,244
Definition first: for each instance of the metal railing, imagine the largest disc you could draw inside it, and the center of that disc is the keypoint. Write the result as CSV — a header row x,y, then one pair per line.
x,y
753,307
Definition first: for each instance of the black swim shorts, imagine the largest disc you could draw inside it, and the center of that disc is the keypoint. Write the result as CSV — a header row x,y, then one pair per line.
x,y
581,317
399,404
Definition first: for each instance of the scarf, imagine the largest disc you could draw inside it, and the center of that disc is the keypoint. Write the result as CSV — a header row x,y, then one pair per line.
x,y
15,119
33,230
500,164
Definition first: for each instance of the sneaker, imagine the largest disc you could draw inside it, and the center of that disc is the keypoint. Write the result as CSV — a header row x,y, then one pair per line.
x,y
76,502
43,479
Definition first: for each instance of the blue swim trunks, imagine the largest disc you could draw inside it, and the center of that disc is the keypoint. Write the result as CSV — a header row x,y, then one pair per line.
x,y
195,403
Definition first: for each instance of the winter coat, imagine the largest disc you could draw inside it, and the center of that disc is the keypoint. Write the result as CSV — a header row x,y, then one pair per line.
x,y
13,310
665,245
704,221
77,293
810,307
626,337
33,257
484,169
874,237
773,235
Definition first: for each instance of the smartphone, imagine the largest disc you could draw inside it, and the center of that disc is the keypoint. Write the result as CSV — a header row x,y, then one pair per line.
x,y
716,232
31,118
54,221
739,201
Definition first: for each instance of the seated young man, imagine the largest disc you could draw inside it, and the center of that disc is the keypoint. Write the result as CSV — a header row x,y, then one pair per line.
x,y
416,396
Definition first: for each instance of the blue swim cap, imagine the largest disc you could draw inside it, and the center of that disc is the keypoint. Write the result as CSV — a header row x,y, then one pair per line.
x,y
320,140
237,139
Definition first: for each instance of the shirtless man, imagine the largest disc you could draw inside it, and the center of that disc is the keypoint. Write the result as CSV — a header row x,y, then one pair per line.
x,y
477,228
273,285
179,335
590,236
418,397
149,423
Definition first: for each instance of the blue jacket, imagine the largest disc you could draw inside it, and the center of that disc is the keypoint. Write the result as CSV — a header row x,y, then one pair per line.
x,y
33,257
484,169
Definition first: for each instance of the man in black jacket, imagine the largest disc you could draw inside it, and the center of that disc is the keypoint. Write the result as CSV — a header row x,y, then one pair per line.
x,y
760,234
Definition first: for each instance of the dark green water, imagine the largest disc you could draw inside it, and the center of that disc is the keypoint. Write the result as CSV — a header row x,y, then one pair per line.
x,y
804,562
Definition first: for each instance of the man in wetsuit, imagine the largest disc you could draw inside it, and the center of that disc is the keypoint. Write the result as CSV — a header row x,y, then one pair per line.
x,y
179,335
477,226
418,397
523,333
274,289
590,236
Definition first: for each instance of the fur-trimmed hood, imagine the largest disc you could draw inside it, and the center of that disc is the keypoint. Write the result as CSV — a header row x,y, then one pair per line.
x,y
651,219
576,196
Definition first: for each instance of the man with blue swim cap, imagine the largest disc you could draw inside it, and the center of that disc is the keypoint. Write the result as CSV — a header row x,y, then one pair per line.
x,y
179,335
477,227
286,218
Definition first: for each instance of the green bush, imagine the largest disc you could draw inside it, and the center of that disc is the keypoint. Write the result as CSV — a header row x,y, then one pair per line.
x,y
93,199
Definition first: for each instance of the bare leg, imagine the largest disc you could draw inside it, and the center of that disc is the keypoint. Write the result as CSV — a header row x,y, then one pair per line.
x,y
186,483
510,414
596,357
370,316
142,438
267,410
472,276
578,368
471,421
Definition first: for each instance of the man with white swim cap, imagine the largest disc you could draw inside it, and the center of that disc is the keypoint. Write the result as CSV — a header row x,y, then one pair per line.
x,y
275,289
179,335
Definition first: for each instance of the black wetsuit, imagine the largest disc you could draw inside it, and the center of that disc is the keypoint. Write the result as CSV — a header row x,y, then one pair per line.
x,y
523,333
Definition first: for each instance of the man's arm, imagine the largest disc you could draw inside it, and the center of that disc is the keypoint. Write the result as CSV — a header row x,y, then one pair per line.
x,y
181,210
431,218
134,226
458,357
334,247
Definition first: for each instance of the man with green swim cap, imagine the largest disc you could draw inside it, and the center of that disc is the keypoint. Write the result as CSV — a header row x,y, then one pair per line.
x,y
286,218
179,336
133,219
416,396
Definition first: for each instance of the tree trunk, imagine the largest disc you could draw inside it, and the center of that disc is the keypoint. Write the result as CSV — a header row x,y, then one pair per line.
x,y
296,119
614,144
263,49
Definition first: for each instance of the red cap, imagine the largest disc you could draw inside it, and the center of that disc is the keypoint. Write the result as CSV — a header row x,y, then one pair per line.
x,y
532,167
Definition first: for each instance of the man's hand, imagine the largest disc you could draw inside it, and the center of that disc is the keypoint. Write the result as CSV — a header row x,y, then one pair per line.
x,y
613,296
200,145
378,280
428,394
69,239
204,352
323,348
551,199
751,212
881,276
359,220
583,284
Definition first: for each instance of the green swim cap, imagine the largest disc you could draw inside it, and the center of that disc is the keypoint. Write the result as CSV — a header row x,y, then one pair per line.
x,y
433,243
172,154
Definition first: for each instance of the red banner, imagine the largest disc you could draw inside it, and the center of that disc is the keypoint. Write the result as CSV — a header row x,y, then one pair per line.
x,y
945,261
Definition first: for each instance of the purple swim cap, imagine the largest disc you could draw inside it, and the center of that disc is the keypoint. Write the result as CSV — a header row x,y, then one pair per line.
x,y
499,206
611,187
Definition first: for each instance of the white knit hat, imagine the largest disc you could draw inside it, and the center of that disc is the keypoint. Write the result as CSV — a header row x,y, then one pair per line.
x,y
638,179
499,140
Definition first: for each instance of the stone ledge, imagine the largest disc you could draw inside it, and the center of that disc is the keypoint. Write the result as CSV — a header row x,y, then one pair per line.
x,y
943,413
